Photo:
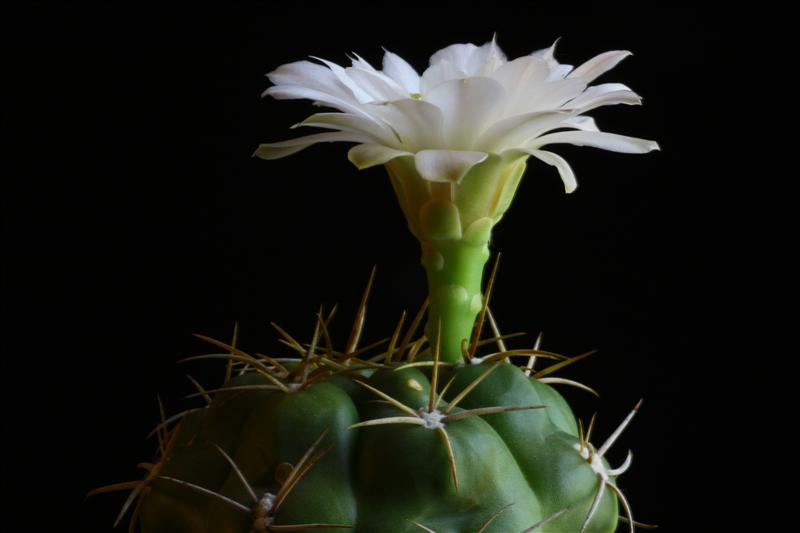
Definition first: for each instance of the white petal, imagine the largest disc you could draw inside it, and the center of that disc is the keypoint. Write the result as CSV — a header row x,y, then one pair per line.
x,y
292,92
341,74
598,139
284,148
548,96
564,170
400,71
458,55
418,123
362,63
447,166
468,108
380,133
439,73
557,71
369,155
548,54
532,85
486,59
311,75
602,95
599,64
379,86
522,72
470,59
517,130
582,123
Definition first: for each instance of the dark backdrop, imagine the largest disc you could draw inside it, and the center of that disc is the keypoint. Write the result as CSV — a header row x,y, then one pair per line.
x,y
135,217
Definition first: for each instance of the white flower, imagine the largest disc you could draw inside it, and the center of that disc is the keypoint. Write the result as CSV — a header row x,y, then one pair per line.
x,y
455,142
470,105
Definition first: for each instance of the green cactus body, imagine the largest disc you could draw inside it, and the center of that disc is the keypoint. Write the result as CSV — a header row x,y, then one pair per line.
x,y
506,471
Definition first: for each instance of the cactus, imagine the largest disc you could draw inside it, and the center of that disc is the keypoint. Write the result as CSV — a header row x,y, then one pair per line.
x,y
399,441
445,432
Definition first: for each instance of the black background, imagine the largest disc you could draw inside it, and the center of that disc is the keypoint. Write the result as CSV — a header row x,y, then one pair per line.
x,y
135,217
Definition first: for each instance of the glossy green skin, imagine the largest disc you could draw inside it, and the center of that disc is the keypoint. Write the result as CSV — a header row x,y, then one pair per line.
x,y
383,478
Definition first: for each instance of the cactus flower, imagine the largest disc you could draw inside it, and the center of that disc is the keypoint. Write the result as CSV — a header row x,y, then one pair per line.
x,y
455,142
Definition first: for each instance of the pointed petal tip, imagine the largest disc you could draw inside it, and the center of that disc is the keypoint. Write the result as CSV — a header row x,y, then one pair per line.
x,y
265,151
547,53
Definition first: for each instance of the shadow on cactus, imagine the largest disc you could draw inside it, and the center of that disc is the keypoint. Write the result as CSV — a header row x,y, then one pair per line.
x,y
446,430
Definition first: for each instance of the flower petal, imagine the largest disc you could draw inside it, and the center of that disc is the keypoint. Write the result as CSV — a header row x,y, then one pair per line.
x,y
362,63
557,70
458,55
446,166
598,139
517,130
311,75
582,123
602,95
379,86
548,54
521,72
369,155
488,58
341,74
418,123
531,85
381,133
284,148
467,106
599,65
459,61
439,73
547,96
564,170
400,71
294,92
